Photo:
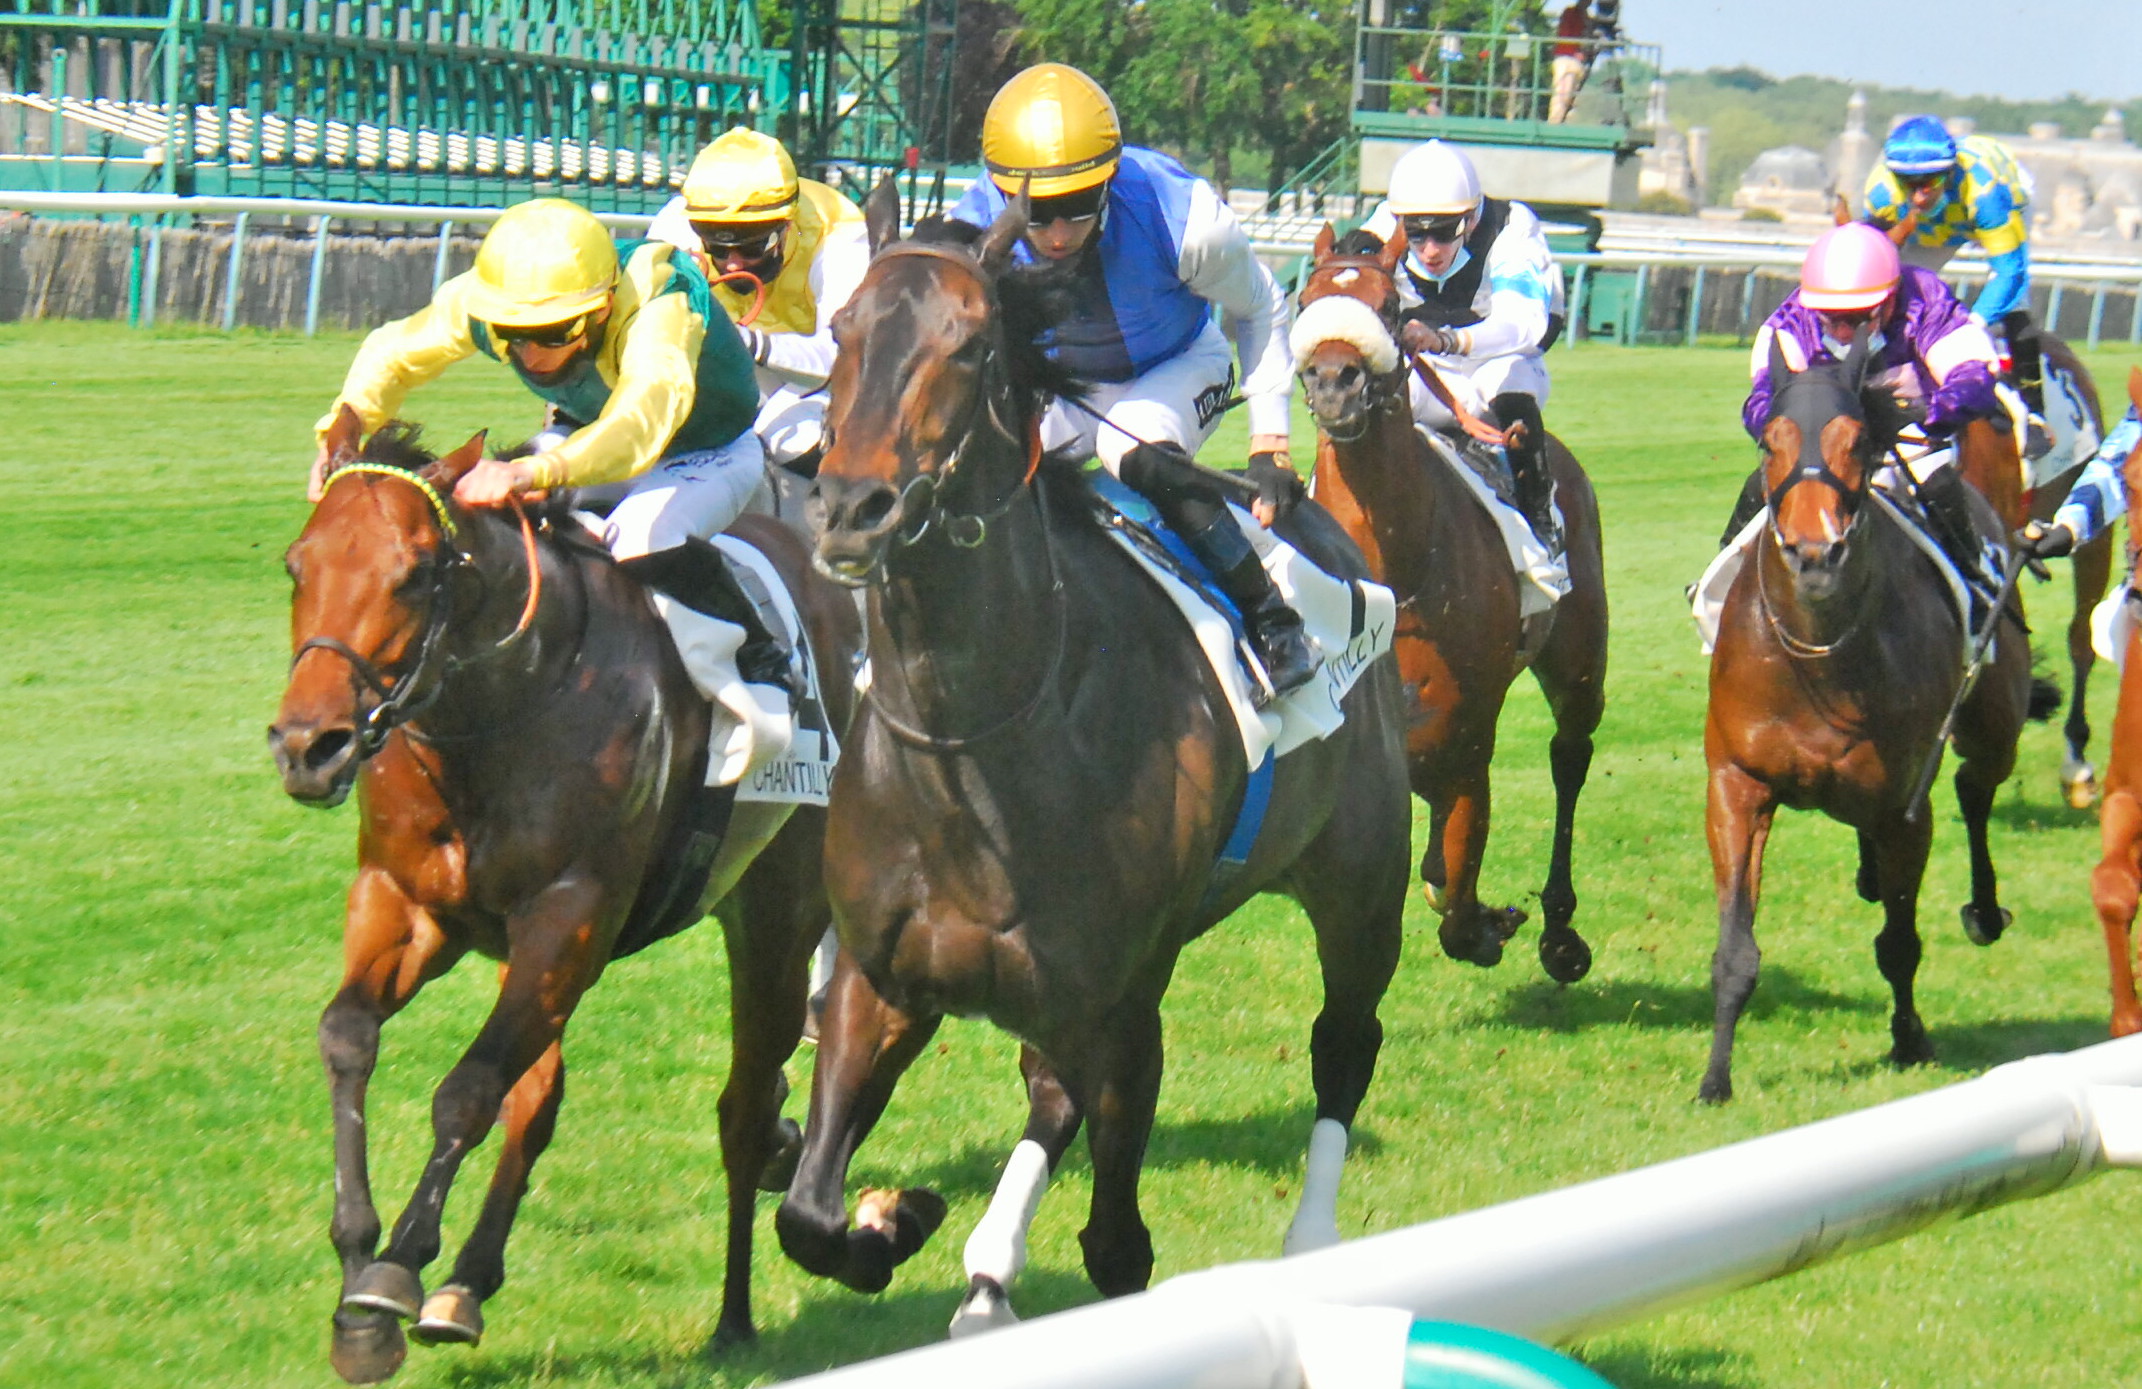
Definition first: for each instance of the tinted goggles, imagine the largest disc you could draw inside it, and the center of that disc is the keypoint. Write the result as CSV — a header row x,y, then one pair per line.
x,y
746,243
1441,230
1075,208
1915,182
545,334
1851,318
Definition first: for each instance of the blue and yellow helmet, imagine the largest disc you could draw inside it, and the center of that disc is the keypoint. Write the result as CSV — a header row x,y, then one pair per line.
x,y
1919,145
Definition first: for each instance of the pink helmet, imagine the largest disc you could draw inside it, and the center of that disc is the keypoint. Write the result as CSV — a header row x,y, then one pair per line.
x,y
1849,267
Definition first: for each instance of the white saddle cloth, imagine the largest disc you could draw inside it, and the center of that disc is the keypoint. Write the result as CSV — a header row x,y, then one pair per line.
x,y
1327,606
2110,623
1543,577
771,754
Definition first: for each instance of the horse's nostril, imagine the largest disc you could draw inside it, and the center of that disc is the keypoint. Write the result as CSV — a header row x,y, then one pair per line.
x,y
873,510
327,748
1349,377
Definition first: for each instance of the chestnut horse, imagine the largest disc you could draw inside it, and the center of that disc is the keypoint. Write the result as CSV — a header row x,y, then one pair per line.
x,y
1460,641
1039,783
523,742
1838,657
2117,881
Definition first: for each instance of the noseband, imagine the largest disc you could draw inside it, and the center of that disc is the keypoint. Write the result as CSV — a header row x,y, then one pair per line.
x,y
1377,389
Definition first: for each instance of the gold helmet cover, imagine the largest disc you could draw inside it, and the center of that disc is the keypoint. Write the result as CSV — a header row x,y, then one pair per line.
x,y
1054,124
743,176
545,261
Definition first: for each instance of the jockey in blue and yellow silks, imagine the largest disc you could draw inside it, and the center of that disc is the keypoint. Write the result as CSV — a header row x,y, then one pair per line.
x,y
1972,192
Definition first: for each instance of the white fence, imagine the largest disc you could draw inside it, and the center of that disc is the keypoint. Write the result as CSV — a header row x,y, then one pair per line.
x,y
1580,1260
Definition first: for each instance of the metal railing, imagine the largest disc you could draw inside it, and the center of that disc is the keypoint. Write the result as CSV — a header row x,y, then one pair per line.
x,y
1435,74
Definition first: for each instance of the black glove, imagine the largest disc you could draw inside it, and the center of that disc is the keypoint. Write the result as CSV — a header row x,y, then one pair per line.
x,y
2042,540
1278,485
1423,337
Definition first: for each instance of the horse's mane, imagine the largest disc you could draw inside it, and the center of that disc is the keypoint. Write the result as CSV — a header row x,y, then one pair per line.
x,y
1030,297
1359,242
400,444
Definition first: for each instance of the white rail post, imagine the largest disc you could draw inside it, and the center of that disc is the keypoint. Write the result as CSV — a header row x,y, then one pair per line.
x,y
230,280
439,262
1695,306
153,273
312,285
2097,312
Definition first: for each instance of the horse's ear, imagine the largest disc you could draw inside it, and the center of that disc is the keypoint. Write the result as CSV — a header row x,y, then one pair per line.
x,y
1394,251
344,436
1005,233
1840,210
1780,369
450,469
881,214
1857,360
1326,238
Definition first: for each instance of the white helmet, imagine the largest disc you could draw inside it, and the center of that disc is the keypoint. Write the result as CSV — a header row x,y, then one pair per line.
x,y
1434,180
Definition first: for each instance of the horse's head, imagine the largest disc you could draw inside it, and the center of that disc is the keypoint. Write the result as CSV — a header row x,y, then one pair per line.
x,y
1827,429
922,370
1345,350
372,579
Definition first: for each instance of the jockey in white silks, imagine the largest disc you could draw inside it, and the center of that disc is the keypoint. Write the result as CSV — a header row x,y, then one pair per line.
x,y
1480,296
744,211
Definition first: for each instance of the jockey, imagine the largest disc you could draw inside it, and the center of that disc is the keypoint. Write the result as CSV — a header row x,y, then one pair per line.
x,y
1479,293
642,354
2098,498
1973,191
1145,250
1932,356
743,211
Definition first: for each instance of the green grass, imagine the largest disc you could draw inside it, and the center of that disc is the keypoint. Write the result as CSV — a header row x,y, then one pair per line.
x,y
172,925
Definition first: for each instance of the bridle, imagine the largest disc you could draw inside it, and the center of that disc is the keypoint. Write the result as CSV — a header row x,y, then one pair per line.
x,y
405,696
1378,387
1854,500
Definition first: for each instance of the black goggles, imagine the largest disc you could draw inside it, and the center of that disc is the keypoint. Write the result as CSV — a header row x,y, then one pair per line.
x,y
1441,230
1854,318
747,243
1082,206
1918,181
545,334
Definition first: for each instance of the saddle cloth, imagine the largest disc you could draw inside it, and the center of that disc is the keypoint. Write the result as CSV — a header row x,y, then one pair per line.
x,y
1543,575
1352,620
2074,431
2111,622
739,748
1707,599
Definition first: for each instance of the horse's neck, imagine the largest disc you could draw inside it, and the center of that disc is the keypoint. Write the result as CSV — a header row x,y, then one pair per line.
x,y
1987,459
1381,487
500,666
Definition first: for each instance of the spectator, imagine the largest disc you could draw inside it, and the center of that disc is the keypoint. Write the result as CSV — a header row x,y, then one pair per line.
x,y
1570,59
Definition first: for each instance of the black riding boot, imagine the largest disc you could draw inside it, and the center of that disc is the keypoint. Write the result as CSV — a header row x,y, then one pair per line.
x,y
1164,475
1947,501
1528,463
2029,359
1745,506
697,574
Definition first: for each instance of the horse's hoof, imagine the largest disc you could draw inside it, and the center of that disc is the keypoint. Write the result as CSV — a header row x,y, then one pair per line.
x,y
729,1335
780,1168
368,1347
453,1316
985,1309
2078,783
1565,956
1911,1045
1715,1090
1437,896
1979,929
384,1287
2126,1024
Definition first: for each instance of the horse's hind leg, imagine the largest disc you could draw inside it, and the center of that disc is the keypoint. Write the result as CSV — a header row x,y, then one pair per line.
x,y
2093,572
1900,858
2113,888
391,949
1985,742
996,1251
864,1046
453,1315
1573,678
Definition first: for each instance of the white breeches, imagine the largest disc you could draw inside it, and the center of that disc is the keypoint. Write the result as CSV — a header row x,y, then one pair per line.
x,y
692,494
1178,402
1475,383
791,422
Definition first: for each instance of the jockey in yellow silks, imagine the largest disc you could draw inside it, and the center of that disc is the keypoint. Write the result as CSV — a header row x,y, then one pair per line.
x,y
744,211
653,391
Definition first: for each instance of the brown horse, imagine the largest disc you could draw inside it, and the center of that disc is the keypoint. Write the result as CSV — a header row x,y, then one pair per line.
x,y
2117,882
1039,783
1838,657
523,743
1460,641
2002,482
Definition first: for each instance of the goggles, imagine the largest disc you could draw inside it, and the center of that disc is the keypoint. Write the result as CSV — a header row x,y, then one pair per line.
x,y
1079,209
755,242
545,334
1441,230
1914,182
1851,318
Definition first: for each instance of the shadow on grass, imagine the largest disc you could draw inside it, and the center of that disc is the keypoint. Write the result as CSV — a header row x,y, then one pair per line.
x,y
2015,813
1553,1008
1673,1369
1971,1047
834,1327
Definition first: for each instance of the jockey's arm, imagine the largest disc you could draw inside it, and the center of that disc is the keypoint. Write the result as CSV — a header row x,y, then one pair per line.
x,y
806,359
1963,363
657,382
1216,262
2099,496
399,356
1755,412
1999,229
1523,287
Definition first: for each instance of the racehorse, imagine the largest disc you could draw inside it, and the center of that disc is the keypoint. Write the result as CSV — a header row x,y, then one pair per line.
x,y
1837,660
1038,782
523,742
1460,640
2117,881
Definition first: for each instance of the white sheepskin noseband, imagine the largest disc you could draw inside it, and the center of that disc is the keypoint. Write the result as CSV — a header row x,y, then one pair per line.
x,y
1343,318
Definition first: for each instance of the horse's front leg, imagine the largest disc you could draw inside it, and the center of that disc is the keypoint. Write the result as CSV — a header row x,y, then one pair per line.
x,y
554,954
996,1251
1737,820
1900,859
1458,807
391,949
864,1046
2114,885
1117,1083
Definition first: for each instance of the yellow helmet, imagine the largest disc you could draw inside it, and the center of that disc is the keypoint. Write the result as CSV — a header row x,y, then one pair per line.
x,y
1054,123
542,262
742,177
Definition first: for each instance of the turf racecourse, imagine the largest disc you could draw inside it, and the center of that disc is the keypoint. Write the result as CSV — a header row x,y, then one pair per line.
x,y
172,925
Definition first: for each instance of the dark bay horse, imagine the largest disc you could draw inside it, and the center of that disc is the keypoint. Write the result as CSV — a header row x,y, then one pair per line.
x,y
2117,881
1838,657
523,742
1460,640
1038,783
2003,483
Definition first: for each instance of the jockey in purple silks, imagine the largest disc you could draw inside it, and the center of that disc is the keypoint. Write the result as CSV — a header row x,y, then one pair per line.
x,y
1928,352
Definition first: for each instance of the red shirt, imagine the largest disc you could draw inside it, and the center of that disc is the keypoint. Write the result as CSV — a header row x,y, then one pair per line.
x,y
1574,24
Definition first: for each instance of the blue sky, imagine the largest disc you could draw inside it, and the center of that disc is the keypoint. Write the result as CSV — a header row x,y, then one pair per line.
x,y
2024,50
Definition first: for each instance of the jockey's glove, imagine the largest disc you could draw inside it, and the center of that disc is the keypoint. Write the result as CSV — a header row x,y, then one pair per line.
x,y
1426,337
1278,485
2045,540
